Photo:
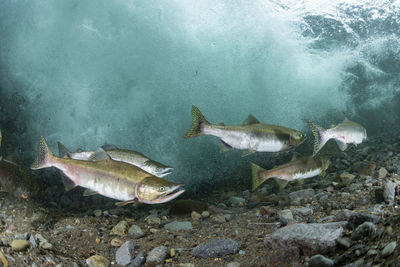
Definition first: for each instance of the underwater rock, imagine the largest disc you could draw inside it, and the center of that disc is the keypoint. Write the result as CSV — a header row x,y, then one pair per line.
x,y
218,219
233,264
135,231
186,206
205,214
304,193
389,192
382,173
346,176
303,211
287,243
389,248
195,216
343,215
215,248
97,213
320,261
120,229
366,229
124,254
344,242
178,226
285,216
237,201
358,218
157,255
139,260
19,245
116,242
97,261
153,220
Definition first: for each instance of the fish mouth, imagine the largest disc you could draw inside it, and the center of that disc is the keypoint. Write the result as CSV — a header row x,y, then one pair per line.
x,y
170,195
165,172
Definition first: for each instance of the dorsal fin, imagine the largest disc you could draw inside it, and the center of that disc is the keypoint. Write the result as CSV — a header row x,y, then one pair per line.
x,y
221,124
99,154
345,119
296,155
63,151
251,120
108,146
80,150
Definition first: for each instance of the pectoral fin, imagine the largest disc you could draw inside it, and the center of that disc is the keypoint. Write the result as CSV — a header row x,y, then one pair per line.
x,y
248,152
323,174
89,192
68,183
224,147
342,145
108,146
123,203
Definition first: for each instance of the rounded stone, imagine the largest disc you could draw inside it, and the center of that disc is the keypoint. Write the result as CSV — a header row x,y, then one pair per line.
x,y
388,250
135,231
19,245
97,261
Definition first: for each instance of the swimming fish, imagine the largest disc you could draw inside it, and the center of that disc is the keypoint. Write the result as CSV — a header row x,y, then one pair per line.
x,y
110,178
252,136
15,180
299,168
125,155
347,132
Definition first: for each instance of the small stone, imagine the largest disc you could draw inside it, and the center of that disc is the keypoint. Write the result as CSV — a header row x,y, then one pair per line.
x,y
303,211
389,192
195,216
178,226
124,254
372,252
135,231
97,261
154,230
382,173
46,245
157,255
19,245
139,260
215,248
320,261
343,215
172,252
358,218
97,213
388,250
33,242
237,201
116,242
233,264
347,176
366,229
205,214
153,220
285,216
344,242
120,229
186,265
305,193
218,219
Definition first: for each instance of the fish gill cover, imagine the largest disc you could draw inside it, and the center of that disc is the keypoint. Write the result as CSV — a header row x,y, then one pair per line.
x,y
128,72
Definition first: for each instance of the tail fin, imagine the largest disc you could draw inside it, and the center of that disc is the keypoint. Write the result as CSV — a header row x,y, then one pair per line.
x,y
44,156
198,121
319,135
62,150
256,177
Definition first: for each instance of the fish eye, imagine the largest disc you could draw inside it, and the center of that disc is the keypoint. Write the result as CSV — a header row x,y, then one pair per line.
x,y
161,189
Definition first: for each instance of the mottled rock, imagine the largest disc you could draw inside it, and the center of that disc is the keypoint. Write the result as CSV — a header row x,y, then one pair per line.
x,y
347,176
342,215
365,229
153,220
388,250
19,245
205,214
116,242
178,226
135,231
195,216
358,218
46,245
305,193
285,216
382,173
157,255
33,242
320,261
388,192
288,242
233,264
218,219
120,229
344,242
215,248
303,211
236,201
124,254
97,213
97,261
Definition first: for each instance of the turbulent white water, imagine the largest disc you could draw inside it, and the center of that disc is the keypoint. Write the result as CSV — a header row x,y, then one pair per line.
x,y
127,72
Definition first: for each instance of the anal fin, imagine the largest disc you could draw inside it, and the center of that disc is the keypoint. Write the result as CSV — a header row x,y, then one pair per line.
x,y
248,152
124,203
224,146
89,192
342,145
68,183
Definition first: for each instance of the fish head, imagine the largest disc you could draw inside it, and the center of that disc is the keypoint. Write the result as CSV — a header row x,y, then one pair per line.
x,y
155,190
296,138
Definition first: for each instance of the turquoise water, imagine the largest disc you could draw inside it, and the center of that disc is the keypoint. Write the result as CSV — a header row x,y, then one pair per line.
x,y
128,72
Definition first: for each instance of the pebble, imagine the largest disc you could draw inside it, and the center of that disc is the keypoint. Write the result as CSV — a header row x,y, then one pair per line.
x,y
237,201
33,242
389,192
218,219
388,250
365,229
303,211
97,261
305,193
347,176
285,216
97,213
205,214
19,245
139,260
46,245
320,261
116,242
124,254
215,248
135,231
120,229
382,173
343,215
358,218
179,226
195,216
345,242
157,255
233,264
153,220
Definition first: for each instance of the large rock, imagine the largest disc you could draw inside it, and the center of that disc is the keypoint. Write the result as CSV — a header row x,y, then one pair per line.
x,y
157,255
287,243
215,248
305,193
124,254
178,226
